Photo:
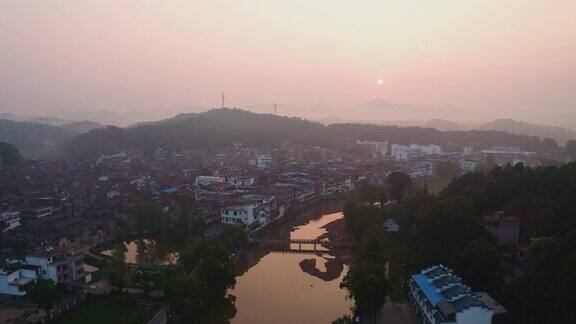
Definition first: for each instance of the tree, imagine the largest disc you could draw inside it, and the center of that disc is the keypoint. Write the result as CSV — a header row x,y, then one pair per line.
x,y
398,184
346,319
149,218
367,285
186,298
116,268
44,294
3,227
186,224
480,266
9,154
571,148
218,273
447,169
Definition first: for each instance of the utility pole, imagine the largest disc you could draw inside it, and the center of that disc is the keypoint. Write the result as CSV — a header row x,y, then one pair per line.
x,y
275,109
222,100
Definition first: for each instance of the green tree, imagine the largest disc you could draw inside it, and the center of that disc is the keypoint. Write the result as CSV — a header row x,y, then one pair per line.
x,y
367,285
148,218
571,148
398,184
116,269
44,294
447,169
186,299
480,266
9,154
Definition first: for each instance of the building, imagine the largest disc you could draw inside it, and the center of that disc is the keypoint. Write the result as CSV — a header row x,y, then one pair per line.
x,y
378,149
206,181
263,160
62,265
15,279
241,214
506,228
469,164
241,182
439,296
12,219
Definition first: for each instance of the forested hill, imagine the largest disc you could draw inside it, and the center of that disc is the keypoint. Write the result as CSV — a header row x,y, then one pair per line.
x,y
211,129
33,139
221,127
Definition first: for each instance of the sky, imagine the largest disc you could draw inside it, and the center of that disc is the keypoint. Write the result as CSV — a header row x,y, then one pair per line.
x,y
512,58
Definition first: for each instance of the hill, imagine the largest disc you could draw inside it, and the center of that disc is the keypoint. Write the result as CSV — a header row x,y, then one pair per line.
x,y
223,127
82,126
211,129
562,135
33,139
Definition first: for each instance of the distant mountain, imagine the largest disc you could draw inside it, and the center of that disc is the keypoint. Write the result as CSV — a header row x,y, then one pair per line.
x,y
562,135
82,127
222,127
125,118
444,125
33,139
381,110
46,120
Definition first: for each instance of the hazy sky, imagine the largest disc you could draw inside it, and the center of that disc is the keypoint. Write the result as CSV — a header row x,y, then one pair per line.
x,y
511,58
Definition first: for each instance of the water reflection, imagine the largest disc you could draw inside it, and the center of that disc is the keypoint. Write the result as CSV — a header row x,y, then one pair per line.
x,y
288,287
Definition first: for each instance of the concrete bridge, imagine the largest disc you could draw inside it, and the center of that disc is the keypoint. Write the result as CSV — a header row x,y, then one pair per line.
x,y
286,243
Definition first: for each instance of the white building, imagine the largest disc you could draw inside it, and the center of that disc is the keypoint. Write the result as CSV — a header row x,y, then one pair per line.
x,y
403,152
206,181
62,265
12,219
263,160
244,214
241,182
469,164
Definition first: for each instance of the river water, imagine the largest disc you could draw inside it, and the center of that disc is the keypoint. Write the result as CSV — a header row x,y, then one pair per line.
x,y
280,287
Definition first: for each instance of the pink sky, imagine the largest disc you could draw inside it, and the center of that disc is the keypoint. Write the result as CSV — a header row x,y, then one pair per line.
x,y
515,58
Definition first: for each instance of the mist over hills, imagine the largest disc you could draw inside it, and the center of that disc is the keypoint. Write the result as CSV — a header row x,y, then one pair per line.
x,y
35,140
223,127
194,123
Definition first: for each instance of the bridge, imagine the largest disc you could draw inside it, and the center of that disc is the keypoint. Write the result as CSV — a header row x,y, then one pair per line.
x,y
313,242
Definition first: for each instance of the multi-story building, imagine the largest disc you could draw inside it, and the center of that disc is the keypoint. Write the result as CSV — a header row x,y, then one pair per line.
x,y
62,265
469,164
206,181
438,296
239,214
263,160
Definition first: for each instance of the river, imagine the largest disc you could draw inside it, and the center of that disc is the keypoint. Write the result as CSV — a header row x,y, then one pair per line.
x,y
279,287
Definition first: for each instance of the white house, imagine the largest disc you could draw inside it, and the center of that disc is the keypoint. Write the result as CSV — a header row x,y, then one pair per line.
x,y
206,181
244,214
263,160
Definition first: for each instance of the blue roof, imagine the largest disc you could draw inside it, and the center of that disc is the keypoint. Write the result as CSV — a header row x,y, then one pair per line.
x,y
170,190
428,289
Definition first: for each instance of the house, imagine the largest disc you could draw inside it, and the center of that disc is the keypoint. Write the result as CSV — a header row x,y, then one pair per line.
x,y
263,160
207,181
62,265
12,219
438,296
469,164
506,228
15,279
241,214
